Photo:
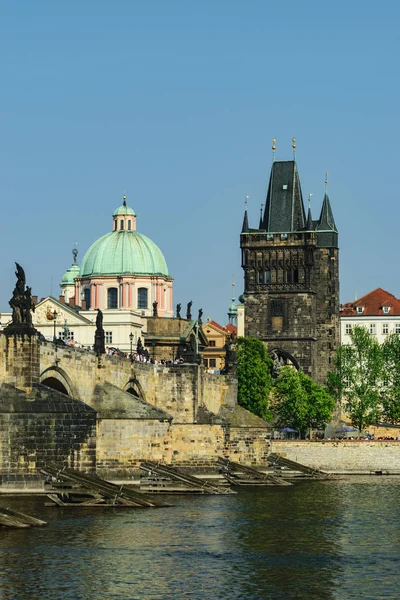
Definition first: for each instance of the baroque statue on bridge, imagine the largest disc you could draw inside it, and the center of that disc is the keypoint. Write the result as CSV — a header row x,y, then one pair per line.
x,y
21,302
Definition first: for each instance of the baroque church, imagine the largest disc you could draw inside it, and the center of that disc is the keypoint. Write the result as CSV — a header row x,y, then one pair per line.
x,y
291,276
123,273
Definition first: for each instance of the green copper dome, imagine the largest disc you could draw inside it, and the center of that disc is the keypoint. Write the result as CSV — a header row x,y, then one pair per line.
x,y
123,253
70,274
124,210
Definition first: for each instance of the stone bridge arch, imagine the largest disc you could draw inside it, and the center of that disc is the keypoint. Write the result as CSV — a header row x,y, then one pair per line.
x,y
134,387
282,358
56,378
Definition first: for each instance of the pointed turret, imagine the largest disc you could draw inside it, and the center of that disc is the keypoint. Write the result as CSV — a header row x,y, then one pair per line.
x,y
309,224
245,226
326,220
284,209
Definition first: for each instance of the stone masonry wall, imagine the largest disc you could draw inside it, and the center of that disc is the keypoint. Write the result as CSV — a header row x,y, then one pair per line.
x,y
20,360
30,440
174,389
342,456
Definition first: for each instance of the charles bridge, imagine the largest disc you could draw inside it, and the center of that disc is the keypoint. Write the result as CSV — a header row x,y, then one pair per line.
x,y
106,414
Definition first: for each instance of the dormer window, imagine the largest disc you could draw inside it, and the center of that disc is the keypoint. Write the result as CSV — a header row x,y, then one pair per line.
x,y
360,310
386,309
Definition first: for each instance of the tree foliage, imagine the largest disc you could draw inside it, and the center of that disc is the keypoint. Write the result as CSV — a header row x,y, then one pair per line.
x,y
390,396
299,402
253,369
357,377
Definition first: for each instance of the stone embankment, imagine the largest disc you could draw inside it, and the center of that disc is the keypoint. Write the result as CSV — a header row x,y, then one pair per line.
x,y
343,456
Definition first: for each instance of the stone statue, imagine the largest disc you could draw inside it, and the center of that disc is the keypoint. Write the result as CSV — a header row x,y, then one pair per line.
x,y
178,311
21,302
189,310
155,311
99,336
99,320
139,347
230,354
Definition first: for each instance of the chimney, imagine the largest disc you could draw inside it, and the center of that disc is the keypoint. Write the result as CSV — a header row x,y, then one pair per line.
x,y
34,300
83,304
62,299
72,302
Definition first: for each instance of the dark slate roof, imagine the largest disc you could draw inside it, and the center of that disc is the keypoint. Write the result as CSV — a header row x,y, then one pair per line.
x,y
326,220
245,226
284,208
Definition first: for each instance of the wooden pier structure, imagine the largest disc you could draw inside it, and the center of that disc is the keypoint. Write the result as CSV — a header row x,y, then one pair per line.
x,y
12,518
278,462
162,478
238,474
69,488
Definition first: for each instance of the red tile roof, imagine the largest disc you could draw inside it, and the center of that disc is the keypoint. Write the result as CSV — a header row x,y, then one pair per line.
x,y
372,304
224,328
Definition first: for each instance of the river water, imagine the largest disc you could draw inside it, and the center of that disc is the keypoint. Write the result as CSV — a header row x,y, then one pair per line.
x,y
327,540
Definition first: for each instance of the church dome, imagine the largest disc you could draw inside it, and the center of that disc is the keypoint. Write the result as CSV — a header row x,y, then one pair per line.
x,y
70,274
123,253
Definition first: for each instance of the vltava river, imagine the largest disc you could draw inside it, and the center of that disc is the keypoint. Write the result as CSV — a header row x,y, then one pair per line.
x,y
316,540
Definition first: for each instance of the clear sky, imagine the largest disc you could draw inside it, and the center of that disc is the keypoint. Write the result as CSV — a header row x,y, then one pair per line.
x,y
176,102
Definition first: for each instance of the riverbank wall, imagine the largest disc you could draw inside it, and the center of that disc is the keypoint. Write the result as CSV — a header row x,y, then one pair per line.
x,y
342,456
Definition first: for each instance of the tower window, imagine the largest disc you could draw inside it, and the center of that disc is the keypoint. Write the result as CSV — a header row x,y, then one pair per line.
x,y
86,294
142,298
112,298
121,225
129,224
267,276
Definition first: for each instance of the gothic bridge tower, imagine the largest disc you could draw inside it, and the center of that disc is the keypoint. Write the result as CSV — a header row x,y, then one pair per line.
x,y
291,276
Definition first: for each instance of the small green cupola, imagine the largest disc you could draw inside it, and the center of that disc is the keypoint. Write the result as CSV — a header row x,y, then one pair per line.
x,y
68,279
124,218
232,312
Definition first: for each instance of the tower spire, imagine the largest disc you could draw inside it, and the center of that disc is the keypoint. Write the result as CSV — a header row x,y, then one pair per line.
x,y
294,148
261,217
245,226
309,224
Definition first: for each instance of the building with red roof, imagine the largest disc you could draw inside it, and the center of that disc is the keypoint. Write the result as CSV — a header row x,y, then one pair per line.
x,y
378,310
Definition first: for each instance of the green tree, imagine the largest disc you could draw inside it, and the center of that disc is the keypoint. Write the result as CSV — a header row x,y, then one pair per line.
x,y
357,377
390,397
253,370
299,402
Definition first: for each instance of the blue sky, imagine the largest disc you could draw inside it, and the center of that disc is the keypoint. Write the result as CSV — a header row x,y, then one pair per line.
x,y
176,102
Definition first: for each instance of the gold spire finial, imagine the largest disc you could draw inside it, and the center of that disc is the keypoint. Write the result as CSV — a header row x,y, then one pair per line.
x,y
124,198
273,149
245,200
309,199
326,182
294,148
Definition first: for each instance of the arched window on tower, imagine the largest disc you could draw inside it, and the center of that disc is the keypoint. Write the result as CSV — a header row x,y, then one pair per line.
x,y
121,224
267,275
142,298
129,224
112,298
